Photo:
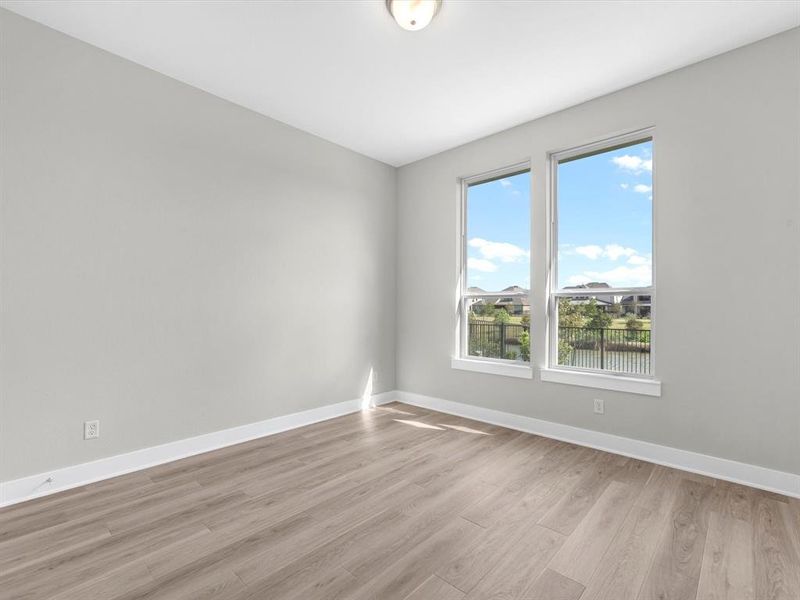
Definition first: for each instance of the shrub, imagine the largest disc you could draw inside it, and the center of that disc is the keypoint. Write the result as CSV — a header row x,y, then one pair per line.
x,y
599,320
633,323
501,316
485,309
569,314
484,347
525,346
564,352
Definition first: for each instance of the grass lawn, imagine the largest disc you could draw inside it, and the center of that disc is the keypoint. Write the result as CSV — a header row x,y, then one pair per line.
x,y
620,323
512,319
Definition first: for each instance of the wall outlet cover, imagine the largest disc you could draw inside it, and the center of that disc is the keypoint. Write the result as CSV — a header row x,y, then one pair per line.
x,y
91,430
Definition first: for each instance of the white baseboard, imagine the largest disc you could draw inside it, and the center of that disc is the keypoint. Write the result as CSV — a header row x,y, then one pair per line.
x,y
720,468
34,486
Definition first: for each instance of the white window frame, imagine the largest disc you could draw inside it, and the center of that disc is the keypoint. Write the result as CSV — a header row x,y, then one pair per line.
x,y
553,372
462,360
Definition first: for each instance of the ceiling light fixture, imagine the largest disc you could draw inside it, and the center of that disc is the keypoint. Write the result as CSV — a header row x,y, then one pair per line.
x,y
413,15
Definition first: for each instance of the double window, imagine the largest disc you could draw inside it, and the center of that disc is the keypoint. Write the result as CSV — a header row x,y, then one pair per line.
x,y
600,293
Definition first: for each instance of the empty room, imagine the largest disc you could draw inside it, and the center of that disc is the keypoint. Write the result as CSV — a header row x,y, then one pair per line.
x,y
399,300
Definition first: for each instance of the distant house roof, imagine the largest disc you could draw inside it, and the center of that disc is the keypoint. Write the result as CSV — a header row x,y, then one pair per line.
x,y
512,289
592,285
514,300
602,299
503,300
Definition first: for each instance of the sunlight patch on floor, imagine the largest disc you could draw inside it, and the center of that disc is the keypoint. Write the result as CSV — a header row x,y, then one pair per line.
x,y
395,411
419,424
465,429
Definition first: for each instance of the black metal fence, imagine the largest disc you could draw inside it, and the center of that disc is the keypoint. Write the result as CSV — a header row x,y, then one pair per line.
x,y
620,350
497,340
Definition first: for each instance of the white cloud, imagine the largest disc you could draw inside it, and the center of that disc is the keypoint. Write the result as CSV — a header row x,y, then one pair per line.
x,y
637,272
505,183
614,251
578,279
639,260
637,164
642,188
610,251
480,264
591,252
624,186
502,251
622,276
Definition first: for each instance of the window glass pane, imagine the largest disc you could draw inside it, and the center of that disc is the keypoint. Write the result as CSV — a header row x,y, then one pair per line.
x,y
605,332
605,218
498,235
499,328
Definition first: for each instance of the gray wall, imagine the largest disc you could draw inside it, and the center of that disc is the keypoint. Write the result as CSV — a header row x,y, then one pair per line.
x,y
728,260
173,264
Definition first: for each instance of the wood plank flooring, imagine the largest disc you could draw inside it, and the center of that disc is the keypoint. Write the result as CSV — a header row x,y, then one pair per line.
x,y
403,503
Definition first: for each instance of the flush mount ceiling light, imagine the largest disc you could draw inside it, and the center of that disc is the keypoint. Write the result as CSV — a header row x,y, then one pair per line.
x,y
413,15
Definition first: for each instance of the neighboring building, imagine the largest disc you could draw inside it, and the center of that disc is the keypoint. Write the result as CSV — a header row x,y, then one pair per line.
x,y
604,301
640,305
514,305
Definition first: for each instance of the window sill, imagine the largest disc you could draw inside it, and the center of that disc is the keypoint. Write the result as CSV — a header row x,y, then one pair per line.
x,y
492,368
647,387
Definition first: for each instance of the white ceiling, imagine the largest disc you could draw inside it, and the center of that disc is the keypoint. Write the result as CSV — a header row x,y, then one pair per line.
x,y
345,71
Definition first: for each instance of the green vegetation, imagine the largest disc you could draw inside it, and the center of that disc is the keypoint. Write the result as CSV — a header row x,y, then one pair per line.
x,y
569,314
502,316
633,323
513,341
591,316
644,324
525,346
565,351
596,318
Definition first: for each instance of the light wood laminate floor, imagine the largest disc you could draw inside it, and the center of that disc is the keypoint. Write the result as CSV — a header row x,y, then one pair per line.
x,y
404,503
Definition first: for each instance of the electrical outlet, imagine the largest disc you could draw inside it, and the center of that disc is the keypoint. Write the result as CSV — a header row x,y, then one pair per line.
x,y
91,430
599,406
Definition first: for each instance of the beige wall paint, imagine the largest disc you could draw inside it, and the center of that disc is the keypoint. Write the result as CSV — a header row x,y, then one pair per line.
x,y
173,264
728,260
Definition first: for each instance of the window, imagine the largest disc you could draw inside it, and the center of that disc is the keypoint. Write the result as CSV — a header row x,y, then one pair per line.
x,y
494,307
602,295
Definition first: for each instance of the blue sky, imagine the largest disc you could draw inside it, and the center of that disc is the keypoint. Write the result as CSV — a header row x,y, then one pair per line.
x,y
605,216
604,228
499,233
